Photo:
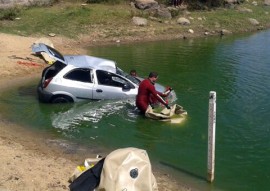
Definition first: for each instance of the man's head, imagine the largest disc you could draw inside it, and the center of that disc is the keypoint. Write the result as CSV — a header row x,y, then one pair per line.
x,y
153,77
133,73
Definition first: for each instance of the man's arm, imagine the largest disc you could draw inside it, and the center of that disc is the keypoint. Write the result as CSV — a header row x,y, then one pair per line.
x,y
157,95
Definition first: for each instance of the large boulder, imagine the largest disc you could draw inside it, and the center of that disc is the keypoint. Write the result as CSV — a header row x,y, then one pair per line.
x,y
146,4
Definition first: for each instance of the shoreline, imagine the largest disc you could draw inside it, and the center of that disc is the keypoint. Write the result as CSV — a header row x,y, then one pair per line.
x,y
29,156
26,156
32,160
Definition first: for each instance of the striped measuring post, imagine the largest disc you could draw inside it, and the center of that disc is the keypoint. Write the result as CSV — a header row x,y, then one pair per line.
x,y
211,136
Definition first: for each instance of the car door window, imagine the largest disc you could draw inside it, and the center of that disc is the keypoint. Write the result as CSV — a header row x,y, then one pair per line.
x,y
80,74
110,79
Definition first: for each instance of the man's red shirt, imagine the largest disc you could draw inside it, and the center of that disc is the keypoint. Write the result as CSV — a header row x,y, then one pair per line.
x,y
145,92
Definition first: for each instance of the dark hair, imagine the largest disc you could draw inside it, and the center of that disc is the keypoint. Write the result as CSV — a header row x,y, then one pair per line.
x,y
132,71
153,74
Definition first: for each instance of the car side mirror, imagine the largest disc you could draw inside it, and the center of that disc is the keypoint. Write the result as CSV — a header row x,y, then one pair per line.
x,y
126,86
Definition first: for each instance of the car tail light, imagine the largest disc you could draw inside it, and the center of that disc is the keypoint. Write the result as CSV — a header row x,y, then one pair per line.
x,y
46,82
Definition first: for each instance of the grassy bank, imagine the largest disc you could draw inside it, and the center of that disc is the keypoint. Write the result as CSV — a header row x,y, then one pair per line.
x,y
103,22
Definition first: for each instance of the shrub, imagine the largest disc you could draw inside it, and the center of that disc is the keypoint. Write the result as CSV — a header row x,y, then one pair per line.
x,y
9,14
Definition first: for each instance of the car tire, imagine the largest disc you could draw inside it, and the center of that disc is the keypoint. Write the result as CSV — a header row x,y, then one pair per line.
x,y
61,99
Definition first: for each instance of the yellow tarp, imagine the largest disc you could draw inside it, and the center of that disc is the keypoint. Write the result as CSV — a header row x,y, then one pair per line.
x,y
174,115
47,58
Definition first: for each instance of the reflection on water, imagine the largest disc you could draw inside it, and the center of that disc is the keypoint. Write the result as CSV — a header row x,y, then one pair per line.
x,y
237,68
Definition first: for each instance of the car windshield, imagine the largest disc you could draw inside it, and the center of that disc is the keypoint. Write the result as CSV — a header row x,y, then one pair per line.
x,y
131,78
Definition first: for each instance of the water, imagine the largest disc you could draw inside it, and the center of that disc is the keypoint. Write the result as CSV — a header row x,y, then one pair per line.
x,y
236,67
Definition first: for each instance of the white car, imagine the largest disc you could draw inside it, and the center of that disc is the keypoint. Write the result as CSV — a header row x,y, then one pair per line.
x,y
73,78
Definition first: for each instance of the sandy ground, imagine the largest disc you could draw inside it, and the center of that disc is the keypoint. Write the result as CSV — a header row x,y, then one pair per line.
x,y
28,161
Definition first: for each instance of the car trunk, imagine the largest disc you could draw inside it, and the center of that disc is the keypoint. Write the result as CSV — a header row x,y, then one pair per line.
x,y
51,71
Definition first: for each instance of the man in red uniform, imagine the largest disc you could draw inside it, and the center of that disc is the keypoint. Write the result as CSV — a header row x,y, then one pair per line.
x,y
147,92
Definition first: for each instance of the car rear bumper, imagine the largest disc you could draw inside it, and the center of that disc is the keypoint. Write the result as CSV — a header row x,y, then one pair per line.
x,y
43,95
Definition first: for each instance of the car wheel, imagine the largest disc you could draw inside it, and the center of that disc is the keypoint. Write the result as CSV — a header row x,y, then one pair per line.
x,y
62,99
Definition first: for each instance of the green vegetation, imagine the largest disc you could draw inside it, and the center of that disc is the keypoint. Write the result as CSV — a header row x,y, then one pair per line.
x,y
9,14
105,21
67,20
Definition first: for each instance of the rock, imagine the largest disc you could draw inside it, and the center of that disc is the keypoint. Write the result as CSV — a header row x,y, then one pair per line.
x,y
52,34
266,2
191,31
253,21
254,3
225,31
139,21
146,4
164,13
183,21
14,3
260,28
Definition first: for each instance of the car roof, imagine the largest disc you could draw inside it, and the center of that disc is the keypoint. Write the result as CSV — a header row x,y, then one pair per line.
x,y
91,62
76,60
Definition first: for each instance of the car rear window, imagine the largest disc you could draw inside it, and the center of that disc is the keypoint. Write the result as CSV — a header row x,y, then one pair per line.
x,y
52,70
55,53
79,74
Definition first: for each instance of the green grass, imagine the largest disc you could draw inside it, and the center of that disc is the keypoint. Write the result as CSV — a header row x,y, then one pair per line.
x,y
65,20
104,20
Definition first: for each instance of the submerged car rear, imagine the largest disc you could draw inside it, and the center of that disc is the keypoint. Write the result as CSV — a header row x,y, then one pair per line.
x,y
47,76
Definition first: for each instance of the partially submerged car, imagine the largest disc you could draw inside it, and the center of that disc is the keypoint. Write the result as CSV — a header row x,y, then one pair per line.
x,y
73,78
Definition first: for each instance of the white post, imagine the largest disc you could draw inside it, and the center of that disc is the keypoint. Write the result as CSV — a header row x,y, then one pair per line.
x,y
211,136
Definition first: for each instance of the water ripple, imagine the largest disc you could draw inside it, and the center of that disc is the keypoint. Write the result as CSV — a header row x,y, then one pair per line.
x,y
92,112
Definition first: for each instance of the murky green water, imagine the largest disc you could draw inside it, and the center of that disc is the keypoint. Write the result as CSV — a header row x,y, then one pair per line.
x,y
237,68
